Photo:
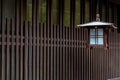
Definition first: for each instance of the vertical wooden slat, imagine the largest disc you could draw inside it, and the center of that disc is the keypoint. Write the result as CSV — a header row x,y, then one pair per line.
x,y
17,39
41,52
26,64
87,52
60,59
45,61
58,63
100,65
38,42
8,50
108,39
69,60
13,51
3,38
30,52
82,54
72,25
67,74
63,56
48,25
52,53
74,57
60,48
61,16
116,47
109,52
118,53
55,54
85,56
38,53
34,38
21,39
77,54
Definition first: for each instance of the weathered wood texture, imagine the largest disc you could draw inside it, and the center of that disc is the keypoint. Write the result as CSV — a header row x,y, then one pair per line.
x,y
42,51
69,55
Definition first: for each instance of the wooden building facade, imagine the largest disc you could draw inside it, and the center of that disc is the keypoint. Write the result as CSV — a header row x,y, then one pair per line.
x,y
39,40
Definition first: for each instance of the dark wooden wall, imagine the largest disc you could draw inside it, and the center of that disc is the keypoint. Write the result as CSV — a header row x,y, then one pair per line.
x,y
43,51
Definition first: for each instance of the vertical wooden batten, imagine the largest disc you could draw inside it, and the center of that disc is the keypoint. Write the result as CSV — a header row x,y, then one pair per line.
x,y
17,19
21,35
3,38
34,39
26,53
37,42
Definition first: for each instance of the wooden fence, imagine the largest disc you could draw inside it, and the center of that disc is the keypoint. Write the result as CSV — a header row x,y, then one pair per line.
x,y
40,52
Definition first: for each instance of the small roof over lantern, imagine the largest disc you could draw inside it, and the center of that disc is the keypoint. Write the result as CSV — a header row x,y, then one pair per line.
x,y
97,23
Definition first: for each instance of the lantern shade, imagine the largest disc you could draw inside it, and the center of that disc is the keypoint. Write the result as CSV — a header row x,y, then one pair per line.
x,y
97,23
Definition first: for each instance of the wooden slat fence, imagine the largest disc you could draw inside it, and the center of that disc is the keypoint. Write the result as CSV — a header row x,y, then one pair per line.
x,y
36,52
33,52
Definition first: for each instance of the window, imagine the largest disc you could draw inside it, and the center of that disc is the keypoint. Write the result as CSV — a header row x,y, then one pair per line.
x,y
96,36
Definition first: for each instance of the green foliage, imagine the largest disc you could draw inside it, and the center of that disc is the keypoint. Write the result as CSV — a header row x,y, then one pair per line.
x,y
67,18
43,12
29,12
55,12
77,12
67,13
87,11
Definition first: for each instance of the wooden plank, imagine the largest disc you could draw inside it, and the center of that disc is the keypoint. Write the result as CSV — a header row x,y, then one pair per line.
x,y
38,53
48,26
8,50
74,54
64,54
67,62
38,42
61,18
82,53
3,38
69,59
44,54
34,39
61,51
17,39
71,52
41,53
77,54
21,39
26,30
58,59
51,53
30,52
13,51
55,53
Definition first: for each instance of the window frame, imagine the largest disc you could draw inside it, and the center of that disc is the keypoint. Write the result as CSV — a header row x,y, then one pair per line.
x,y
104,37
